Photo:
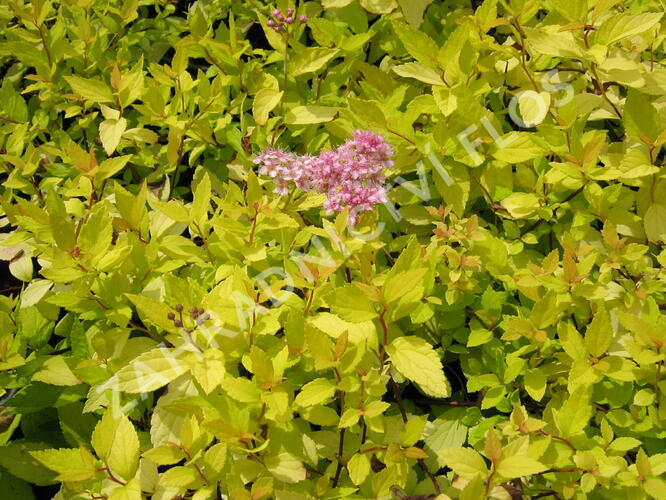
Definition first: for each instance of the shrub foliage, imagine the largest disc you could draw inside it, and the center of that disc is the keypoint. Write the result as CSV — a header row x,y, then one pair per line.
x,y
495,330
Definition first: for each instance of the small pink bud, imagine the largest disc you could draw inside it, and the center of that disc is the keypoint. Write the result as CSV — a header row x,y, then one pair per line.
x,y
270,23
303,19
289,20
279,17
276,13
276,28
290,11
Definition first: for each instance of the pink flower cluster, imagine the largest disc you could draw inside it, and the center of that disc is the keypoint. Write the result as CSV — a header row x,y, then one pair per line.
x,y
350,176
281,21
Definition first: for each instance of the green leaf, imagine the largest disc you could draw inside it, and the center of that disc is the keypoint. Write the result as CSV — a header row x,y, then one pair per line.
x,y
130,491
446,431
643,466
479,336
640,117
655,487
241,389
413,11
76,426
350,417
56,371
179,247
571,341
375,408
311,60
335,326
16,458
132,84
351,304
533,107
34,292
29,53
334,4
285,467
214,459
303,115
116,442
419,45
453,183
413,430
575,413
149,371
553,42
110,132
264,102
535,383
404,287
14,488
599,333
71,464
179,477
358,467
132,208
379,6
654,221
315,392
209,371
519,466
572,10
465,462
201,203
111,166
446,100
165,455
90,88
474,490
152,311
35,397
368,110
625,25
624,444
493,397
418,72
414,358
521,148
13,104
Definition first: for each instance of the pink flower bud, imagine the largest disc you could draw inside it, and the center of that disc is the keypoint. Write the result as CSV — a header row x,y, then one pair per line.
x,y
303,19
290,11
289,20
270,23
279,17
276,13
276,28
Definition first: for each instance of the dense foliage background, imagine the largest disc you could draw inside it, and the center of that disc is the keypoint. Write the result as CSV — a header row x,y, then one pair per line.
x,y
175,329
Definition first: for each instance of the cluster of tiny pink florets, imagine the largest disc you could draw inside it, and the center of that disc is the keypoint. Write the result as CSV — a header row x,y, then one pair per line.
x,y
350,176
280,21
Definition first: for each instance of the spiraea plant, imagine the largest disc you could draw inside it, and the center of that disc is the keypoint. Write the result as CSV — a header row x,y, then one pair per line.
x,y
364,249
